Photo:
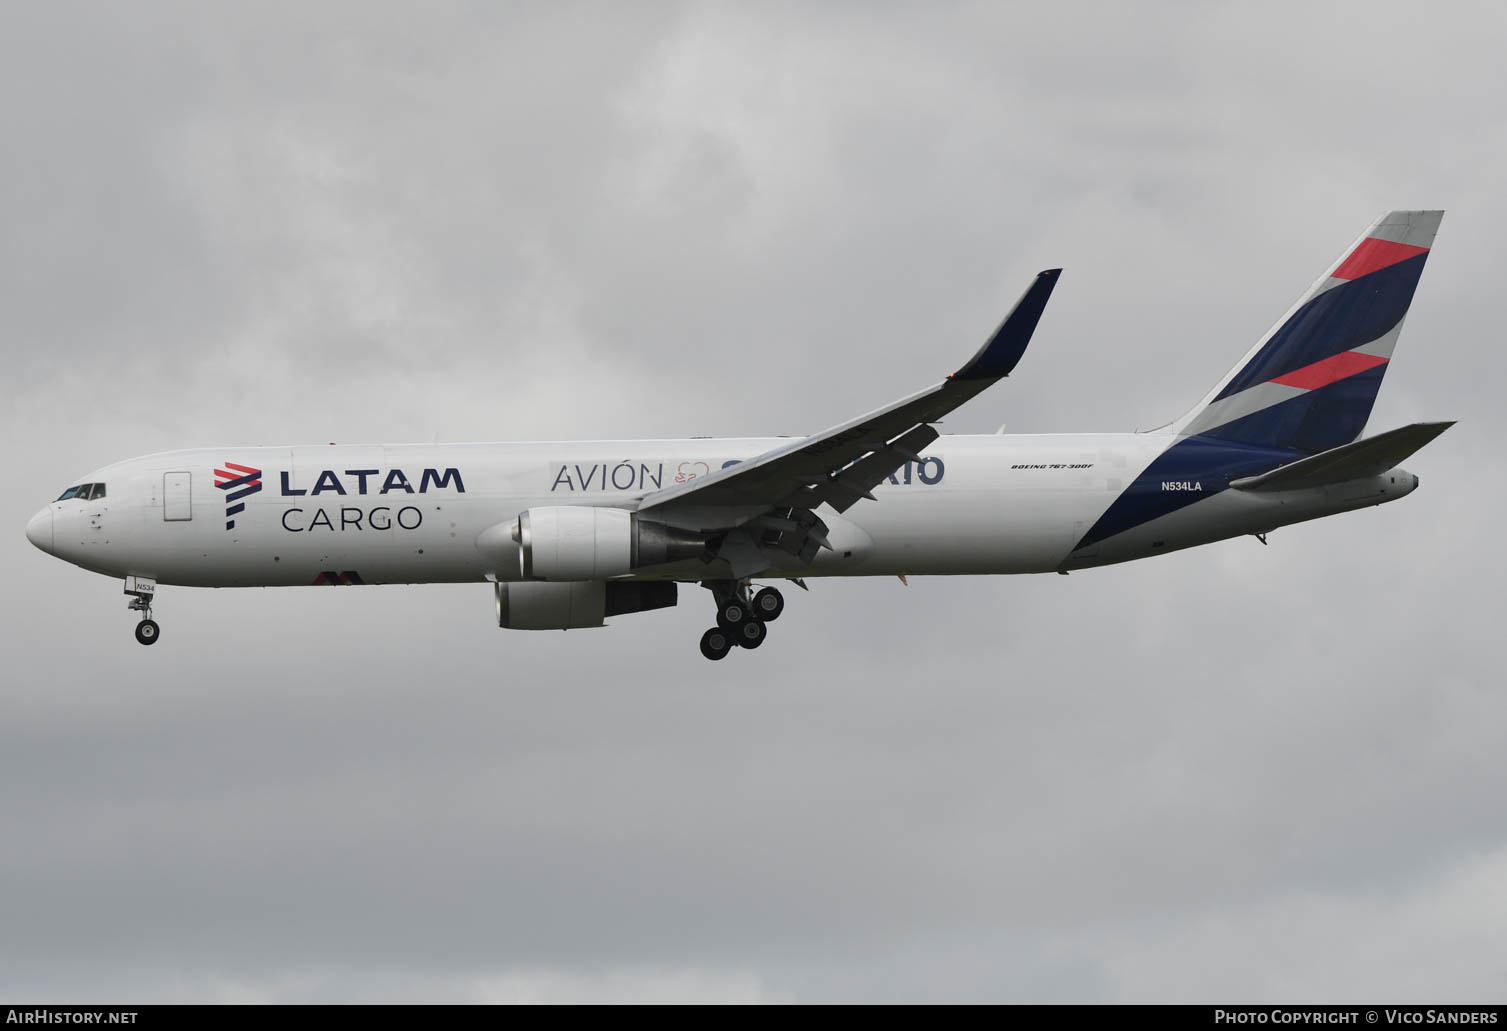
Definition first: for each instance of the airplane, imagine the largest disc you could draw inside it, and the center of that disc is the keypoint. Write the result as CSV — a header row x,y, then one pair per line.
x,y
571,534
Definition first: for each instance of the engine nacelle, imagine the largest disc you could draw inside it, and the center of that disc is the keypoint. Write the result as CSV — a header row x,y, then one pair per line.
x,y
576,605
551,606
578,542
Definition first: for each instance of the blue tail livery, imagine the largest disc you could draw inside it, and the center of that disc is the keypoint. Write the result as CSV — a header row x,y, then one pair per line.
x,y
1309,384
1304,389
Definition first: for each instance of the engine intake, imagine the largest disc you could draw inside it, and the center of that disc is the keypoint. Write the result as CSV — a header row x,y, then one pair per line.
x,y
577,542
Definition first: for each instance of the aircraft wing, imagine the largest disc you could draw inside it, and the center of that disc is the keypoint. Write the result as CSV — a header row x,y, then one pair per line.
x,y
842,465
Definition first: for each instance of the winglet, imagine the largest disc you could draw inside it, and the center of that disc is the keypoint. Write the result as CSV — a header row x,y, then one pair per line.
x,y
999,356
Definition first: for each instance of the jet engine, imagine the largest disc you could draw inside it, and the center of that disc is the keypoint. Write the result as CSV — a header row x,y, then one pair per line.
x,y
565,605
584,543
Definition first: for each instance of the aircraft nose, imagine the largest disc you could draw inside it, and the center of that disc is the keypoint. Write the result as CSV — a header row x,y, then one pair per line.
x,y
39,530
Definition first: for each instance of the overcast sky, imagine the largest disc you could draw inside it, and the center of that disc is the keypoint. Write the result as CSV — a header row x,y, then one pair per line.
x,y
1235,773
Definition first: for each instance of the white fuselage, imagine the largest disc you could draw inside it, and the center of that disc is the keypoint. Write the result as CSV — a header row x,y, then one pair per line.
x,y
413,513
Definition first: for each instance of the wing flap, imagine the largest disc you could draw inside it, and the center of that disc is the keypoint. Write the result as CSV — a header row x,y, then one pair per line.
x,y
848,486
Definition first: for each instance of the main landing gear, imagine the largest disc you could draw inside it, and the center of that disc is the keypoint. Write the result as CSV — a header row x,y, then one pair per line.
x,y
741,617
141,589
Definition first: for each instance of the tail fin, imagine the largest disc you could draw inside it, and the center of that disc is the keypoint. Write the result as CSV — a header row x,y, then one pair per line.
x,y
1309,384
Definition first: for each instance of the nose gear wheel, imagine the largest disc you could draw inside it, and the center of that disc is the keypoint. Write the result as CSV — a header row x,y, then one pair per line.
x,y
147,631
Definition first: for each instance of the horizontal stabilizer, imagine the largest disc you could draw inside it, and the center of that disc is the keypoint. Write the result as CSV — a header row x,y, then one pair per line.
x,y
1370,457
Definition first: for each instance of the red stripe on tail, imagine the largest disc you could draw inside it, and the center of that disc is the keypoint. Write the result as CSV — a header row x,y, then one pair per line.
x,y
1330,370
1373,254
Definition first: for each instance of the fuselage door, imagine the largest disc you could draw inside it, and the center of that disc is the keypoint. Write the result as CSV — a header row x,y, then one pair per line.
x,y
177,497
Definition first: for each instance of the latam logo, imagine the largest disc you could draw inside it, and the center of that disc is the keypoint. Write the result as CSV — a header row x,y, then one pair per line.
x,y
239,481
396,480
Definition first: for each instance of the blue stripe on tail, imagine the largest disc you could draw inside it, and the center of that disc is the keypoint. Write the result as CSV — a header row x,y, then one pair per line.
x,y
1349,316
1313,421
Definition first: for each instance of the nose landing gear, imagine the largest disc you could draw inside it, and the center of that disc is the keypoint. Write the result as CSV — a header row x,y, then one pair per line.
x,y
147,630
142,588
741,617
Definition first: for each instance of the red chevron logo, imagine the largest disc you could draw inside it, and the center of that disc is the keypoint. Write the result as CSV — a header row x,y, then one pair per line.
x,y
239,481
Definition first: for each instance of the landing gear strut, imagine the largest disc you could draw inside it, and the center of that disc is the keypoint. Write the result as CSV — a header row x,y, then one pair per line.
x,y
741,617
141,589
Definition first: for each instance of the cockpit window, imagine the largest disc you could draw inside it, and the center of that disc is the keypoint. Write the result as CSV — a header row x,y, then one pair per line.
x,y
84,492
